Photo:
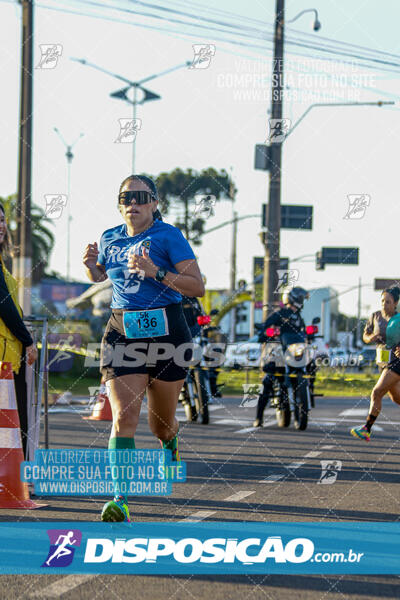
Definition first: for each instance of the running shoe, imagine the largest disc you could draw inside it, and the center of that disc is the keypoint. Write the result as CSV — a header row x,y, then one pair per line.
x,y
258,423
173,446
116,510
361,432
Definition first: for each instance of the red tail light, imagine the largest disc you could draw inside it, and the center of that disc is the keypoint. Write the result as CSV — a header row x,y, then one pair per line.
x,y
272,331
204,319
311,329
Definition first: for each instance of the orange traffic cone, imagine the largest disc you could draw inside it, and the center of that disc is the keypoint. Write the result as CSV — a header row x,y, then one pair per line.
x,y
102,408
14,493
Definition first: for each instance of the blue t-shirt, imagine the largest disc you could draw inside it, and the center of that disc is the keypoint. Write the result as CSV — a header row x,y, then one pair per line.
x,y
166,247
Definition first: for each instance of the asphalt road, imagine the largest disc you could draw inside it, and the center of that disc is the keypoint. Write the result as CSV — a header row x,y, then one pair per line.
x,y
238,473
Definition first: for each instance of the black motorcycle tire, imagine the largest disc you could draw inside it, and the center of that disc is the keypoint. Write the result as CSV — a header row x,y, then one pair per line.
x,y
301,406
283,416
189,403
283,412
201,396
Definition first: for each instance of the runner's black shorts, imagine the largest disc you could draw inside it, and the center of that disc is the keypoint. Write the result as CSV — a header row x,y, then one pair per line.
x,y
394,363
116,351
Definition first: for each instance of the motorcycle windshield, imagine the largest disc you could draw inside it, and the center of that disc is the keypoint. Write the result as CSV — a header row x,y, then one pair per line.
x,y
292,338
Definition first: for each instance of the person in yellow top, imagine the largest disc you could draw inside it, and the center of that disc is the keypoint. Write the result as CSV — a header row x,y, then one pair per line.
x,y
16,344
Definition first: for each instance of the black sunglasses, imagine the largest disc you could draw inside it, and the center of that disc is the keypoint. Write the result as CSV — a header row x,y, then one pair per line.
x,y
139,197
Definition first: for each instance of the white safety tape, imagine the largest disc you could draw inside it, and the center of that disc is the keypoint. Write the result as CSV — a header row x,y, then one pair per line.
x,y
10,437
7,394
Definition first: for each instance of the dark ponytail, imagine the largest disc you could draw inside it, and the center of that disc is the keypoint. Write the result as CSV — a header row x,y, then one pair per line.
x,y
152,187
394,292
157,215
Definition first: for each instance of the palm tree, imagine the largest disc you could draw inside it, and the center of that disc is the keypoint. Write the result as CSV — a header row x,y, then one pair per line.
x,y
42,237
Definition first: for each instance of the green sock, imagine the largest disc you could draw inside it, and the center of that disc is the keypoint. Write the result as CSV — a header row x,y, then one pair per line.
x,y
170,444
173,446
119,443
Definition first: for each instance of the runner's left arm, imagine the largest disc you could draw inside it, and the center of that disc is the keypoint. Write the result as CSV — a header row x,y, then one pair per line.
x,y
187,280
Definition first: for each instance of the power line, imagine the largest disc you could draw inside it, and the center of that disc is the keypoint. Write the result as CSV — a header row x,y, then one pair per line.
x,y
261,35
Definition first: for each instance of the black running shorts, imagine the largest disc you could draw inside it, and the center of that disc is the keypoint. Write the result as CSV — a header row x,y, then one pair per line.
x,y
394,363
166,357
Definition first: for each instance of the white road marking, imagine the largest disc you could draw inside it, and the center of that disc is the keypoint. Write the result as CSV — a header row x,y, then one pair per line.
x,y
312,454
211,408
238,496
246,430
327,447
354,412
295,465
273,478
61,586
199,516
231,421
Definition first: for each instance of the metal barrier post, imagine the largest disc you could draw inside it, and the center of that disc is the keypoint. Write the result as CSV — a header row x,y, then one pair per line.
x,y
35,401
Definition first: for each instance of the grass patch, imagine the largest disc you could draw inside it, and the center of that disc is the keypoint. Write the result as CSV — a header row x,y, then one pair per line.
x,y
330,382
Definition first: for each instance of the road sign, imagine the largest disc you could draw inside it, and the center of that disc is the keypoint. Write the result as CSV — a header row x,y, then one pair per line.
x,y
262,157
336,256
382,284
293,216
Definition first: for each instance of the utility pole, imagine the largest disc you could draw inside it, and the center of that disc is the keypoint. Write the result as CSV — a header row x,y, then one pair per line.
x,y
232,323
359,312
22,264
272,236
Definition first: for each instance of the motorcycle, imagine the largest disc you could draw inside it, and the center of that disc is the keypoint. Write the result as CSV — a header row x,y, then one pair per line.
x,y
289,363
197,390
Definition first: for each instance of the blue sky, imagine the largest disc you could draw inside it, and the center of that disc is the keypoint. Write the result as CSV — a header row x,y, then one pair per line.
x,y
204,120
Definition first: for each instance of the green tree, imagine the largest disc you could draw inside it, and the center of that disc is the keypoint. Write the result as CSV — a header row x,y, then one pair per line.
x,y
42,237
178,190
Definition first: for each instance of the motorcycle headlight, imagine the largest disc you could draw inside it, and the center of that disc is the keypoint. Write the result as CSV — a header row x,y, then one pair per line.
x,y
297,350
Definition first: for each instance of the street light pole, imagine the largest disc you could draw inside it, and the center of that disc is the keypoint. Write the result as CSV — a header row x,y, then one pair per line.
x,y
69,157
272,236
134,121
22,264
135,85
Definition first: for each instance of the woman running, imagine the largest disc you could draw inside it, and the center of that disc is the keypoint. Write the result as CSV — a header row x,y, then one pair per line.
x,y
389,381
150,265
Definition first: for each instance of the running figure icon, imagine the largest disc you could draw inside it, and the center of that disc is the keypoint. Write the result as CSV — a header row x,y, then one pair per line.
x,y
62,549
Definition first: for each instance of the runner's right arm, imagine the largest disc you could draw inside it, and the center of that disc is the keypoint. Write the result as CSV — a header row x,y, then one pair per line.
x,y
95,271
369,336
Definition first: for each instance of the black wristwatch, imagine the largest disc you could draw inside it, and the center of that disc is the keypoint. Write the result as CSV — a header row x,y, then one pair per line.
x,y
161,273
